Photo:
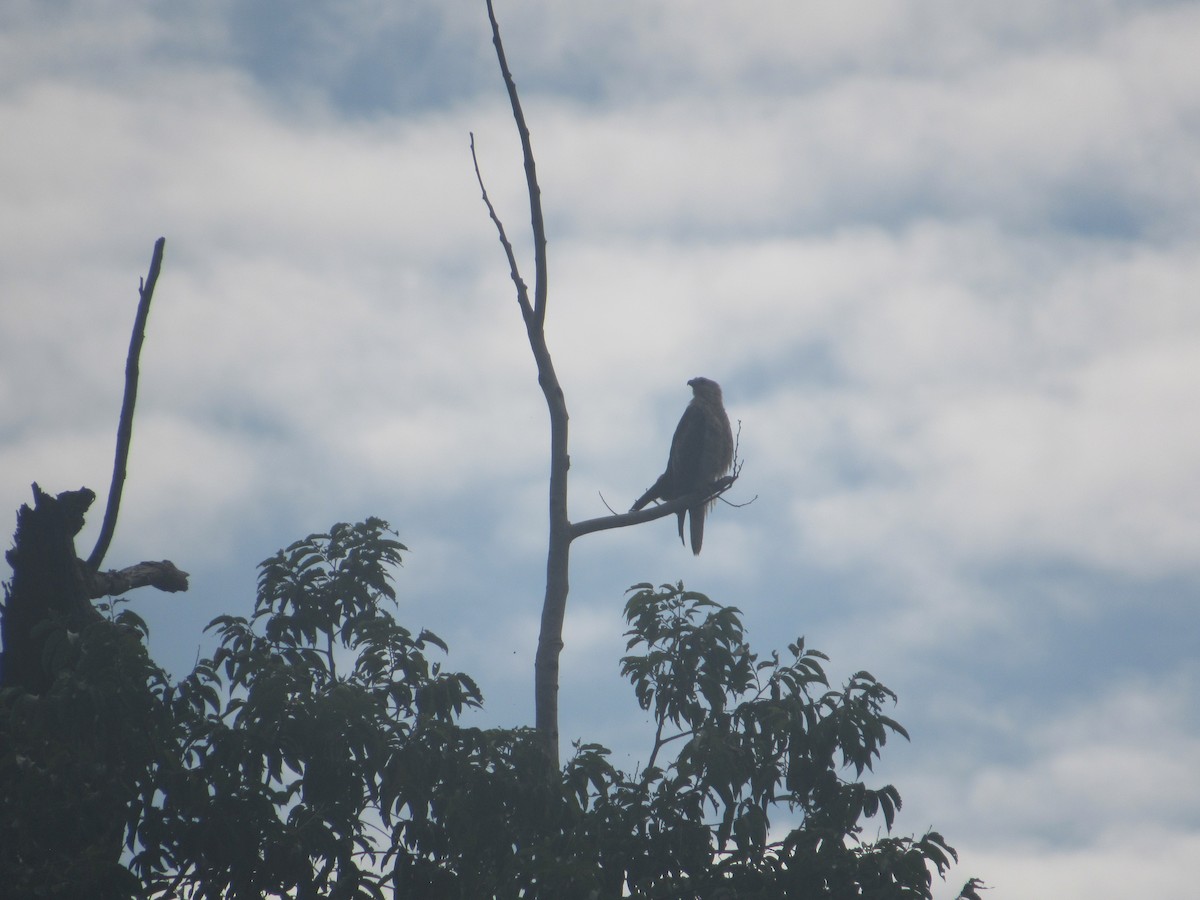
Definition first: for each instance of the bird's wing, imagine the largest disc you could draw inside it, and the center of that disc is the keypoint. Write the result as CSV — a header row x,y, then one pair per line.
x,y
656,491
686,461
718,444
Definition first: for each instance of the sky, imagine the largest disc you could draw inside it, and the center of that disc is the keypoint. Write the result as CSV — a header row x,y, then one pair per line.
x,y
942,257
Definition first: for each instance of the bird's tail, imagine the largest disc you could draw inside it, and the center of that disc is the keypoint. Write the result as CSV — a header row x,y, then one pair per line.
x,y
696,514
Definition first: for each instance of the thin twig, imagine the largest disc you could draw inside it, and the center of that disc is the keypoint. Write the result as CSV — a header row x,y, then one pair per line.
x,y
737,469
660,742
514,271
125,426
737,505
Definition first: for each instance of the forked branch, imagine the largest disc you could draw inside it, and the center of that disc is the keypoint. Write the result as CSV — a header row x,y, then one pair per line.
x,y
537,223
555,601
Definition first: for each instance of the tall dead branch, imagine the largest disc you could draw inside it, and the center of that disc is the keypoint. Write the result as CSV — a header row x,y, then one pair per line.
x,y
125,423
50,583
555,601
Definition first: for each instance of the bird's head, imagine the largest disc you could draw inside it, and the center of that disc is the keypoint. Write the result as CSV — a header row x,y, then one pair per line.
x,y
705,387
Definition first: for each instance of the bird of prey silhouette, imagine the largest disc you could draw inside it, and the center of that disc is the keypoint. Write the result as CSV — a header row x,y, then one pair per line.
x,y
701,452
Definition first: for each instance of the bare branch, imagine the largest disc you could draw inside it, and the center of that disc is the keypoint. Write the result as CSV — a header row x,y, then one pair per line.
x,y
623,520
535,193
125,425
514,270
738,505
162,575
737,468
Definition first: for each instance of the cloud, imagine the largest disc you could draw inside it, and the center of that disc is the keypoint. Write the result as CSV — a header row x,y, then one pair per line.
x,y
1026,139
941,258
1095,802
1128,752
1145,861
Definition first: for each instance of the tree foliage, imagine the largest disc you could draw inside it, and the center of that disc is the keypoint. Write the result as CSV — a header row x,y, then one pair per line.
x,y
319,753
78,759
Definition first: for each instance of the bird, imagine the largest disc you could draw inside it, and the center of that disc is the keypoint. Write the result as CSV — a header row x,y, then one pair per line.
x,y
701,452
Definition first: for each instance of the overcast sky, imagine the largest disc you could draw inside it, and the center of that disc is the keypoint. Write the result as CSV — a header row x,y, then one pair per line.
x,y
943,257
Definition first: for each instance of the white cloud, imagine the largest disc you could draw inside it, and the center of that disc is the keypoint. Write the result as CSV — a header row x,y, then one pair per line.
x,y
940,256
1100,802
1021,138
1127,755
1145,862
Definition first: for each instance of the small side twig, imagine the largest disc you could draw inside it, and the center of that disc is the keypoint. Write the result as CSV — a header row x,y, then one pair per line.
x,y
513,269
125,426
737,469
738,505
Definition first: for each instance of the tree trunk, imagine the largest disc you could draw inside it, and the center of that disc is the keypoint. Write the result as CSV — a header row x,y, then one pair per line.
x,y
49,582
